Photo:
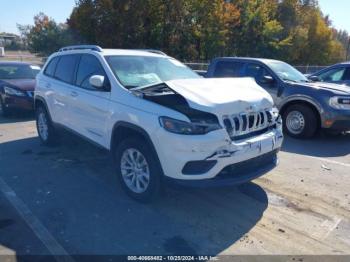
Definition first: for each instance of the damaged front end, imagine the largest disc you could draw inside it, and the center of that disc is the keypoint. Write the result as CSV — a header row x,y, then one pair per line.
x,y
200,122
214,143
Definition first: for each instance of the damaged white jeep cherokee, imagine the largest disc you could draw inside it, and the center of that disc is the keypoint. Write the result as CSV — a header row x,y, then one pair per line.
x,y
161,121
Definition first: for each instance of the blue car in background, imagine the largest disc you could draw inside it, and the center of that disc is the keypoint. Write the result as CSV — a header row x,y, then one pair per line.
x,y
306,106
337,74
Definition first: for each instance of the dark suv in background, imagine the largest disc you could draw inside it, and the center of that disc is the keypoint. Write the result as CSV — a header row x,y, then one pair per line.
x,y
338,74
17,83
306,106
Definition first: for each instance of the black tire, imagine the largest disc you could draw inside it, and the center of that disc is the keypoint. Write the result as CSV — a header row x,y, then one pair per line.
x,y
3,110
52,136
309,116
155,172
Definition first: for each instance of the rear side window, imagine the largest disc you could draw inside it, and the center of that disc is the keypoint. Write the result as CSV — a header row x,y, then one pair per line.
x,y
51,67
228,69
333,75
89,65
66,67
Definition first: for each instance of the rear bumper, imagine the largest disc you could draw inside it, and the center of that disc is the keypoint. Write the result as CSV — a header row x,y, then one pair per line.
x,y
235,174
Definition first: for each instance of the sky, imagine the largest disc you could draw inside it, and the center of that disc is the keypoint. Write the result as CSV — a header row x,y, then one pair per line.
x,y
14,12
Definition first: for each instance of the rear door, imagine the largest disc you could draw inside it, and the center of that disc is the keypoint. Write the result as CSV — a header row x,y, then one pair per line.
x,y
62,86
228,69
90,106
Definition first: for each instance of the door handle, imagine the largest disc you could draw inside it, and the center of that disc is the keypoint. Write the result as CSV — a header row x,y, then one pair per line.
x,y
74,94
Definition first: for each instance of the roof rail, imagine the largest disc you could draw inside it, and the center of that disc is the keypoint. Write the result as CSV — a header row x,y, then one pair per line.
x,y
81,47
155,51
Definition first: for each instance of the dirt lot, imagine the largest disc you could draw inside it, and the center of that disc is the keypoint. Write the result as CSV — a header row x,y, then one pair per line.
x,y
66,200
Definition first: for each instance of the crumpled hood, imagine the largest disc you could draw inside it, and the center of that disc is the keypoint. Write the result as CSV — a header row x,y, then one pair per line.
x,y
22,84
336,88
223,95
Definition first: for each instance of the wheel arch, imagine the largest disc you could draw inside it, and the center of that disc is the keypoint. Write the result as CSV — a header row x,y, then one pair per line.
x,y
123,130
40,101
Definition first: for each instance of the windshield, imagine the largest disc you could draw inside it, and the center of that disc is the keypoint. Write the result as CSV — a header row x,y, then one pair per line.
x,y
136,71
286,72
9,71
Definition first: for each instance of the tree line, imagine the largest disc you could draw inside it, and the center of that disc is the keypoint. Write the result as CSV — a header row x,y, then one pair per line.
x,y
295,31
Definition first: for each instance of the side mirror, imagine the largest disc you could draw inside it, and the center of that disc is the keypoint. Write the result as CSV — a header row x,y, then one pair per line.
x,y
314,78
97,81
267,80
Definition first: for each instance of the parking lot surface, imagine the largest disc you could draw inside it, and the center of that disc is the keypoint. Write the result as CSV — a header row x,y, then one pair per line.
x,y
66,200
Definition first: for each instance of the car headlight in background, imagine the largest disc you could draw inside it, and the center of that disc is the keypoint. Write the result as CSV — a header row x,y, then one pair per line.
x,y
339,102
13,92
186,128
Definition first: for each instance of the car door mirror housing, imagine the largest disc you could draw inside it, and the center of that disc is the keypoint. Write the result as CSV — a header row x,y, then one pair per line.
x,y
267,80
314,78
97,81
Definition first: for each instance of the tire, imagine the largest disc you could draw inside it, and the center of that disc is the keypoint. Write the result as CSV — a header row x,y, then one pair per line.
x,y
149,168
46,131
300,121
3,110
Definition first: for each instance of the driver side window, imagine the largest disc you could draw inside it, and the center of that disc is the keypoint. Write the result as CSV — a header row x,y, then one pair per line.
x,y
332,75
258,72
89,66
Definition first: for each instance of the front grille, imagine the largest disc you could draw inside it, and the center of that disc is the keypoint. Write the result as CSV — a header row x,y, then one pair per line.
x,y
247,123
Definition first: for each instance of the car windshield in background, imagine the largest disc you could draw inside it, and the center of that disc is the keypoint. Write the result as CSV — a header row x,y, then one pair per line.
x,y
287,72
136,71
18,71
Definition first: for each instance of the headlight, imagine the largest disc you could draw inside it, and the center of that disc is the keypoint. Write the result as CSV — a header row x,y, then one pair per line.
x,y
186,128
339,102
13,92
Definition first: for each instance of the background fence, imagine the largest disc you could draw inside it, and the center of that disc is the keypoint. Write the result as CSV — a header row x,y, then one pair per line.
x,y
24,56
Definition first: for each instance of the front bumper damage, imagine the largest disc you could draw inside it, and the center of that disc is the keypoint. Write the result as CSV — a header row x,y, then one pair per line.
x,y
231,162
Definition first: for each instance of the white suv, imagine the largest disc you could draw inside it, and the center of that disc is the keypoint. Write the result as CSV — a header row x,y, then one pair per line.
x,y
161,121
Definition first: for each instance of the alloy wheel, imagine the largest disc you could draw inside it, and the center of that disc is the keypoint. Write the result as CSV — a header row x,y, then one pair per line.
x,y
43,127
135,170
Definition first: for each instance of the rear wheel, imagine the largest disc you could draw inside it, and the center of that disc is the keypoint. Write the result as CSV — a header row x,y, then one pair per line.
x,y
138,170
46,131
300,121
3,109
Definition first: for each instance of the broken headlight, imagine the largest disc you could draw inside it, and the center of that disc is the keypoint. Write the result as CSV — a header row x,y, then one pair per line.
x,y
186,128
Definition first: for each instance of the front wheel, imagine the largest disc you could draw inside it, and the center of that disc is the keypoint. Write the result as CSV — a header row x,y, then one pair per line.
x,y
138,169
46,131
300,121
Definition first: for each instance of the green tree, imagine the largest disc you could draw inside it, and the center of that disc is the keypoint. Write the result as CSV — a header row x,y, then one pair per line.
x,y
45,36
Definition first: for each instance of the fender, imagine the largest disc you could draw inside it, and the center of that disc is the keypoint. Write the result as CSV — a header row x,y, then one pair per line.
x,y
42,100
135,128
303,98
139,130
